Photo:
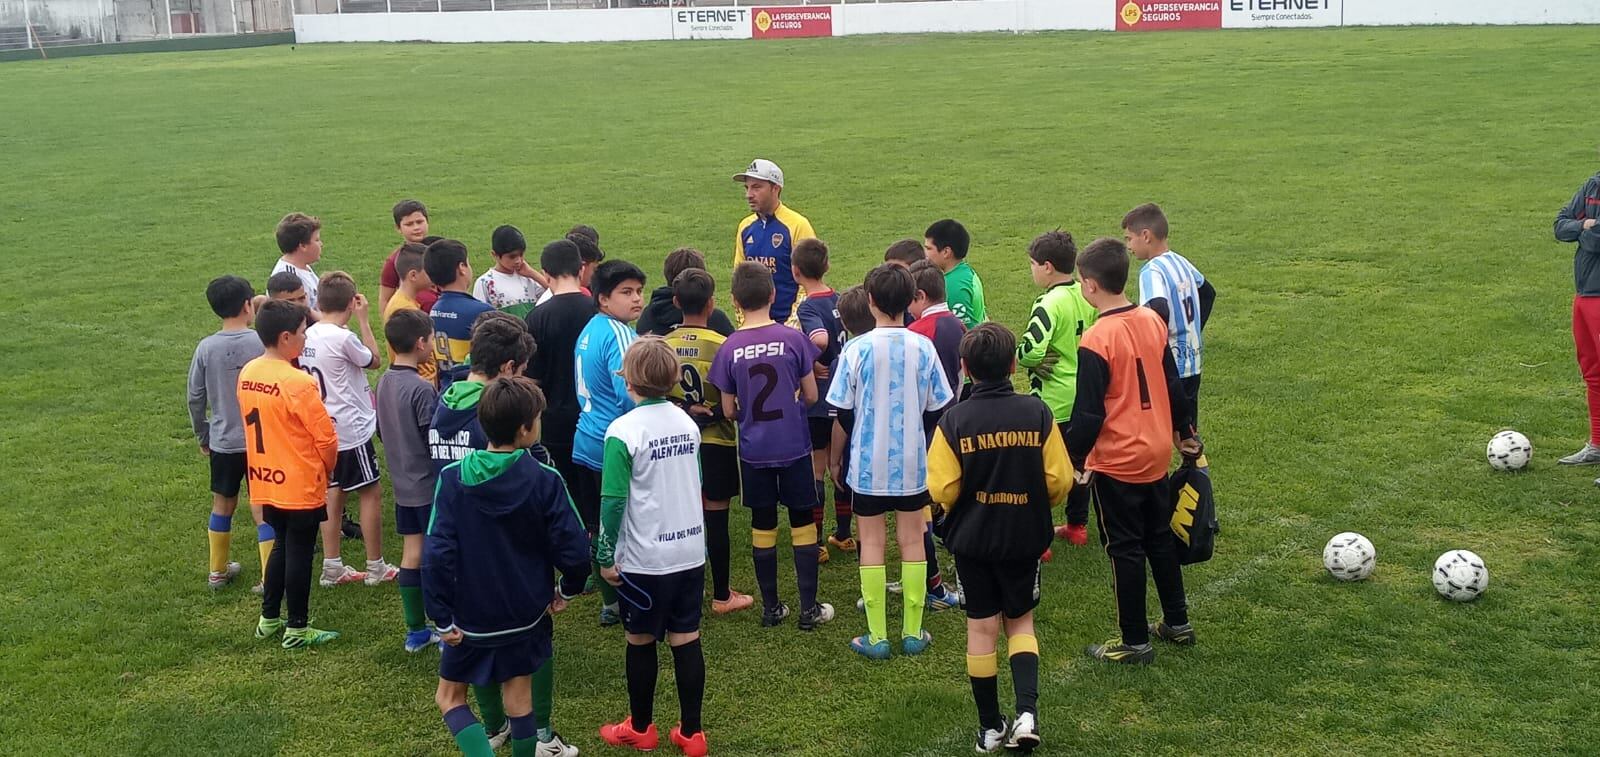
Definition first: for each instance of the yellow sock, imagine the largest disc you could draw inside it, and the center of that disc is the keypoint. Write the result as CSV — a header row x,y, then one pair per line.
x,y
220,539
265,537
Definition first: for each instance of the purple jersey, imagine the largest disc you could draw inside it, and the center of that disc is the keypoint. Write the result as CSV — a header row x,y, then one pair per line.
x,y
819,313
763,367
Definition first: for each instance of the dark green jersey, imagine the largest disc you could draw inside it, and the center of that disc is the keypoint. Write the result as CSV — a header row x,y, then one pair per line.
x,y
1048,348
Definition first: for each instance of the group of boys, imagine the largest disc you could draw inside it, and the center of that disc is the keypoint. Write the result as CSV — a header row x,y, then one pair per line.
x,y
547,420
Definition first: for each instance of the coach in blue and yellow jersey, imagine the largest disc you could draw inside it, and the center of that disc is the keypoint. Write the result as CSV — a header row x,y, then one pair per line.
x,y
768,235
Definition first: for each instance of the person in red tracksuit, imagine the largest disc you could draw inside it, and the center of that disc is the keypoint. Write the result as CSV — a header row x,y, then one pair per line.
x,y
1576,223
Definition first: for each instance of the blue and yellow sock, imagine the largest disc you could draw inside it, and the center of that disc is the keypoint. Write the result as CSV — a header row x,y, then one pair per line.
x,y
804,539
219,534
470,737
764,550
983,675
1023,650
265,537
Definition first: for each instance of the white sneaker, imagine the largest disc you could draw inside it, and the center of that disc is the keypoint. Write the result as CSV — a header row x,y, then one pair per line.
x,y
1589,455
555,747
990,740
499,738
219,580
379,572
340,574
1024,733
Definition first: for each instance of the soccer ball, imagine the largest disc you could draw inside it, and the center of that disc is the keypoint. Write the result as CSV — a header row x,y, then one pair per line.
x,y
1460,576
1349,556
1509,450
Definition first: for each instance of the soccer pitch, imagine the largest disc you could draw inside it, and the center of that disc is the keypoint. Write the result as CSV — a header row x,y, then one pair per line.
x,y
1374,207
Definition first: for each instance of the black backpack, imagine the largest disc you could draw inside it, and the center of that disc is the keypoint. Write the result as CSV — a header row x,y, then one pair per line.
x,y
1194,513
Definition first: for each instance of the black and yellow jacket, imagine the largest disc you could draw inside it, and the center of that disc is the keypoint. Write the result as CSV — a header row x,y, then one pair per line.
x,y
998,465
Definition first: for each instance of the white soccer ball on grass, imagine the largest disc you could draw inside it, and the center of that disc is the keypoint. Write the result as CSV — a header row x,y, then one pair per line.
x,y
1460,576
1349,556
1509,450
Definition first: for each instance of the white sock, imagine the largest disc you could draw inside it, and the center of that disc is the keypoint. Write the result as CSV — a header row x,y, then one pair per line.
x,y
332,564
375,565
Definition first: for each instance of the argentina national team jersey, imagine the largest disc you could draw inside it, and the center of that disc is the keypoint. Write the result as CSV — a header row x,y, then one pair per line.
x,y
889,377
1171,277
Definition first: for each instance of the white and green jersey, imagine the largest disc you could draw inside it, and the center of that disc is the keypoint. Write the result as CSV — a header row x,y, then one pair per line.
x,y
650,518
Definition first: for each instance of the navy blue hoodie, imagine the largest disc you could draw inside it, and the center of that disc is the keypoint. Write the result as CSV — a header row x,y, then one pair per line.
x,y
501,523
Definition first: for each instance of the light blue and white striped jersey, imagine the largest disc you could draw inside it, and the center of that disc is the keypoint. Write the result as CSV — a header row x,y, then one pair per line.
x,y
602,394
889,377
1171,277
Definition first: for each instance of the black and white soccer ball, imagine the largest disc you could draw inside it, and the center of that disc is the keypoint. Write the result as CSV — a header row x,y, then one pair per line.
x,y
1460,576
1349,556
1509,450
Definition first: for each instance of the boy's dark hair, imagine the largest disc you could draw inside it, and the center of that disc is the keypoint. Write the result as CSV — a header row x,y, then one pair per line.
x,y
1056,248
443,260
408,258
430,239
561,258
907,251
929,280
279,317
509,404
854,311
498,337
335,292
404,208
989,349
405,327
1146,216
650,366
810,257
506,239
585,230
588,248
949,233
228,294
680,260
1105,262
294,230
610,275
752,286
283,282
693,289
891,289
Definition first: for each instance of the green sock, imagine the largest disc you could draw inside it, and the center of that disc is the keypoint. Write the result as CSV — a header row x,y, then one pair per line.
x,y
525,747
473,741
491,710
544,687
411,607
913,576
608,593
875,589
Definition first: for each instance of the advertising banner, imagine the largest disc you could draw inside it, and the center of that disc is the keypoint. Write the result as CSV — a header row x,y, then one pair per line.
x,y
796,21
711,23
1157,15
1260,14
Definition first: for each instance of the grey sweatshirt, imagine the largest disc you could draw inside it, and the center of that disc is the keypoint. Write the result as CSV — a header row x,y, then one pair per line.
x,y
1569,228
214,383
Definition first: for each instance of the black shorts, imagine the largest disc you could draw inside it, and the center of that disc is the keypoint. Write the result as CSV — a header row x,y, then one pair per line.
x,y
283,519
409,521
357,468
790,485
584,486
227,473
872,504
999,587
481,665
719,472
662,604
821,432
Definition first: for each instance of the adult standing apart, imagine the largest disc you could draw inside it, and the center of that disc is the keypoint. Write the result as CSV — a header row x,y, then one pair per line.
x,y
1576,223
768,235
411,220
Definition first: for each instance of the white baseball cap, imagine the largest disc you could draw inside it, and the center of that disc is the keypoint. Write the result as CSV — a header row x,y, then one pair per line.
x,y
762,169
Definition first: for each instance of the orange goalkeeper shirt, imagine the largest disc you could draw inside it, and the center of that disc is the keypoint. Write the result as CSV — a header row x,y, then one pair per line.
x,y
290,444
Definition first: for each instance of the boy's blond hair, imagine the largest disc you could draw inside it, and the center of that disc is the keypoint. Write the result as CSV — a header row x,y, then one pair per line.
x,y
650,366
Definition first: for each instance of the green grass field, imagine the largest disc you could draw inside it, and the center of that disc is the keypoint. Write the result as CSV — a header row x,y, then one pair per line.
x,y
1374,207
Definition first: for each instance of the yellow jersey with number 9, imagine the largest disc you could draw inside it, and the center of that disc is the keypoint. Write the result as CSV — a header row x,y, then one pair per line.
x,y
696,347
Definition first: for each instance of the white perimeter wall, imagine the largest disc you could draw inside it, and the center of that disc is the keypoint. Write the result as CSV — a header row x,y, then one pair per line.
x,y
885,18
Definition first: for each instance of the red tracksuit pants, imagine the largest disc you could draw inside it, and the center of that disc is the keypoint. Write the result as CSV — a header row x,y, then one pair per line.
x,y
1586,336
